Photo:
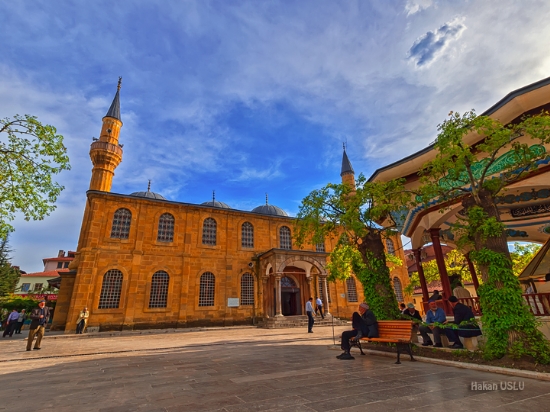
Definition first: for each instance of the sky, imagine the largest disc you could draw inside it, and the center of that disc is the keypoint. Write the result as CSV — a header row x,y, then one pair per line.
x,y
252,97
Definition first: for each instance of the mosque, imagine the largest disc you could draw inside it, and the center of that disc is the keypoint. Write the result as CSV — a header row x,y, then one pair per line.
x,y
143,261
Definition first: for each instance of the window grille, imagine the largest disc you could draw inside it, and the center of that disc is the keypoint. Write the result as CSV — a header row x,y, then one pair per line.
x,y
207,287
390,247
398,289
121,224
159,290
110,290
209,232
352,290
59,265
247,290
38,287
284,238
247,234
166,228
25,287
287,282
320,247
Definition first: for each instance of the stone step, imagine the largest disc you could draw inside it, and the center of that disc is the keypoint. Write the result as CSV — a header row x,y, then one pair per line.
x,y
299,321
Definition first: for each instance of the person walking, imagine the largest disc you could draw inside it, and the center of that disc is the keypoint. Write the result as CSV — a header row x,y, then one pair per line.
x,y
20,321
11,322
309,311
82,321
39,320
319,304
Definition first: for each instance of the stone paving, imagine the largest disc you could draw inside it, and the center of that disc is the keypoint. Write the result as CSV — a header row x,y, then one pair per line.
x,y
239,369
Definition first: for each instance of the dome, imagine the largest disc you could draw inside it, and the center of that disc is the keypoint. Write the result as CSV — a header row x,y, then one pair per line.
x,y
215,203
270,210
148,195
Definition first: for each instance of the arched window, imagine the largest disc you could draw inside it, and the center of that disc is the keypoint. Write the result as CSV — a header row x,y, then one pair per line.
x,y
247,290
320,247
209,232
398,289
121,224
207,287
247,235
284,238
166,228
390,247
159,289
352,290
110,290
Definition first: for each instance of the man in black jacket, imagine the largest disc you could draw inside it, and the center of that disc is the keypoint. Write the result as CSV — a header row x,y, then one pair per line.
x,y
39,320
461,313
363,323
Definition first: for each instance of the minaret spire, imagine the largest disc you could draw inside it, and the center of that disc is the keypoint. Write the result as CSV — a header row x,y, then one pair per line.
x,y
266,202
106,152
347,173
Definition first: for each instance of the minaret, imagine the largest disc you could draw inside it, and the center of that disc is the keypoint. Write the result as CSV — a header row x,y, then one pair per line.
x,y
106,153
347,173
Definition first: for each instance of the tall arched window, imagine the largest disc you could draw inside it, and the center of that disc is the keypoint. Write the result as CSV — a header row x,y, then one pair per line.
x,y
247,235
159,289
285,240
166,228
320,247
390,247
207,288
352,290
398,289
121,224
111,289
209,232
247,290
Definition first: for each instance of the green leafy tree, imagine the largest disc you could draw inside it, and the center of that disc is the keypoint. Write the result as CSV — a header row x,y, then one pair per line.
x,y
9,275
30,154
352,216
457,268
474,176
521,256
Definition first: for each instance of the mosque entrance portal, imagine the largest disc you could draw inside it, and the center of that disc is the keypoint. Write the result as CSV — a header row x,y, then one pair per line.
x,y
290,297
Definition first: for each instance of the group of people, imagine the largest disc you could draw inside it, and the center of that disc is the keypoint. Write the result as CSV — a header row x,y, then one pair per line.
x,y
14,322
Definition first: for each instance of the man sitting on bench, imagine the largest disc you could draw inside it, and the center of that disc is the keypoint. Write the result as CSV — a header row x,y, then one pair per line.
x,y
363,323
461,313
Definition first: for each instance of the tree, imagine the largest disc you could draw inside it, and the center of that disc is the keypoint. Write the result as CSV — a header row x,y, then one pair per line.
x,y
474,176
30,154
9,275
457,267
351,215
521,255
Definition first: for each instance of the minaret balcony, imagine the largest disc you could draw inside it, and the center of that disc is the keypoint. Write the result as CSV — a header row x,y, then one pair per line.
x,y
106,146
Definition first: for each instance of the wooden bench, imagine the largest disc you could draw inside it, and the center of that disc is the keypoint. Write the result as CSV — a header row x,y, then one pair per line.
x,y
391,331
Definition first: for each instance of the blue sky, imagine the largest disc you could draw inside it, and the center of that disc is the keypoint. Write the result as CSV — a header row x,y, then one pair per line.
x,y
249,97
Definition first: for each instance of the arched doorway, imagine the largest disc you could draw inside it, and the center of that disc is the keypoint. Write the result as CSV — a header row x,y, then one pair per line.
x,y
290,297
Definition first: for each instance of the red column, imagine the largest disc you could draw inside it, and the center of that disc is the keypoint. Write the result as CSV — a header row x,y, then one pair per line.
x,y
423,285
440,259
472,270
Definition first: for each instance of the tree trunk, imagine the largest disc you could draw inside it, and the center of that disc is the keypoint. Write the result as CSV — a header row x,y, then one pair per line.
x,y
375,278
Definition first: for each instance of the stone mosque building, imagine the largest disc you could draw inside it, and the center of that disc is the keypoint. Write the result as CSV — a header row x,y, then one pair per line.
x,y
143,261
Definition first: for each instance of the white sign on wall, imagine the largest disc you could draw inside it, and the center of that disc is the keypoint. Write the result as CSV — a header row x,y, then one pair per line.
x,y
232,302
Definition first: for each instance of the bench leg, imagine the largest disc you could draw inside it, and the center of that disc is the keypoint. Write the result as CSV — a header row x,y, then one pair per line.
x,y
356,343
398,355
409,350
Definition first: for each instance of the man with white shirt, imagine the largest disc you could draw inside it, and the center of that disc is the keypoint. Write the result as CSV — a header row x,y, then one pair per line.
x,y
319,304
309,311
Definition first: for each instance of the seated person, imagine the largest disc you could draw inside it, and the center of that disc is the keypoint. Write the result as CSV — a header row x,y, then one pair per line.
x,y
402,307
461,313
363,323
412,313
435,296
435,314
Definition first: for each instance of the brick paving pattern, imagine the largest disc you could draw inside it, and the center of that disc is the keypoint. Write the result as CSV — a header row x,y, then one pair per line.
x,y
238,369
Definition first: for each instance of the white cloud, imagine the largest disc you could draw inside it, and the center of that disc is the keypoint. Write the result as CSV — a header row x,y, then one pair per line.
x,y
414,6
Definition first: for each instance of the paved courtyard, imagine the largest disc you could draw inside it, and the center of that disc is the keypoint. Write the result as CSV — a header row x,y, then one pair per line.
x,y
233,369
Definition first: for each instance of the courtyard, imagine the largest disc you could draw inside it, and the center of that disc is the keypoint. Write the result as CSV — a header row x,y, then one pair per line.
x,y
240,369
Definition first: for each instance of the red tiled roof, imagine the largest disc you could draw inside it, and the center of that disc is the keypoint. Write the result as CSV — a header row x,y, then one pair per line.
x,y
49,273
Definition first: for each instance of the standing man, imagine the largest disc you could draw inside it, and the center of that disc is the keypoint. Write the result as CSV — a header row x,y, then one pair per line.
x,y
11,323
309,311
319,304
461,292
20,321
39,319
